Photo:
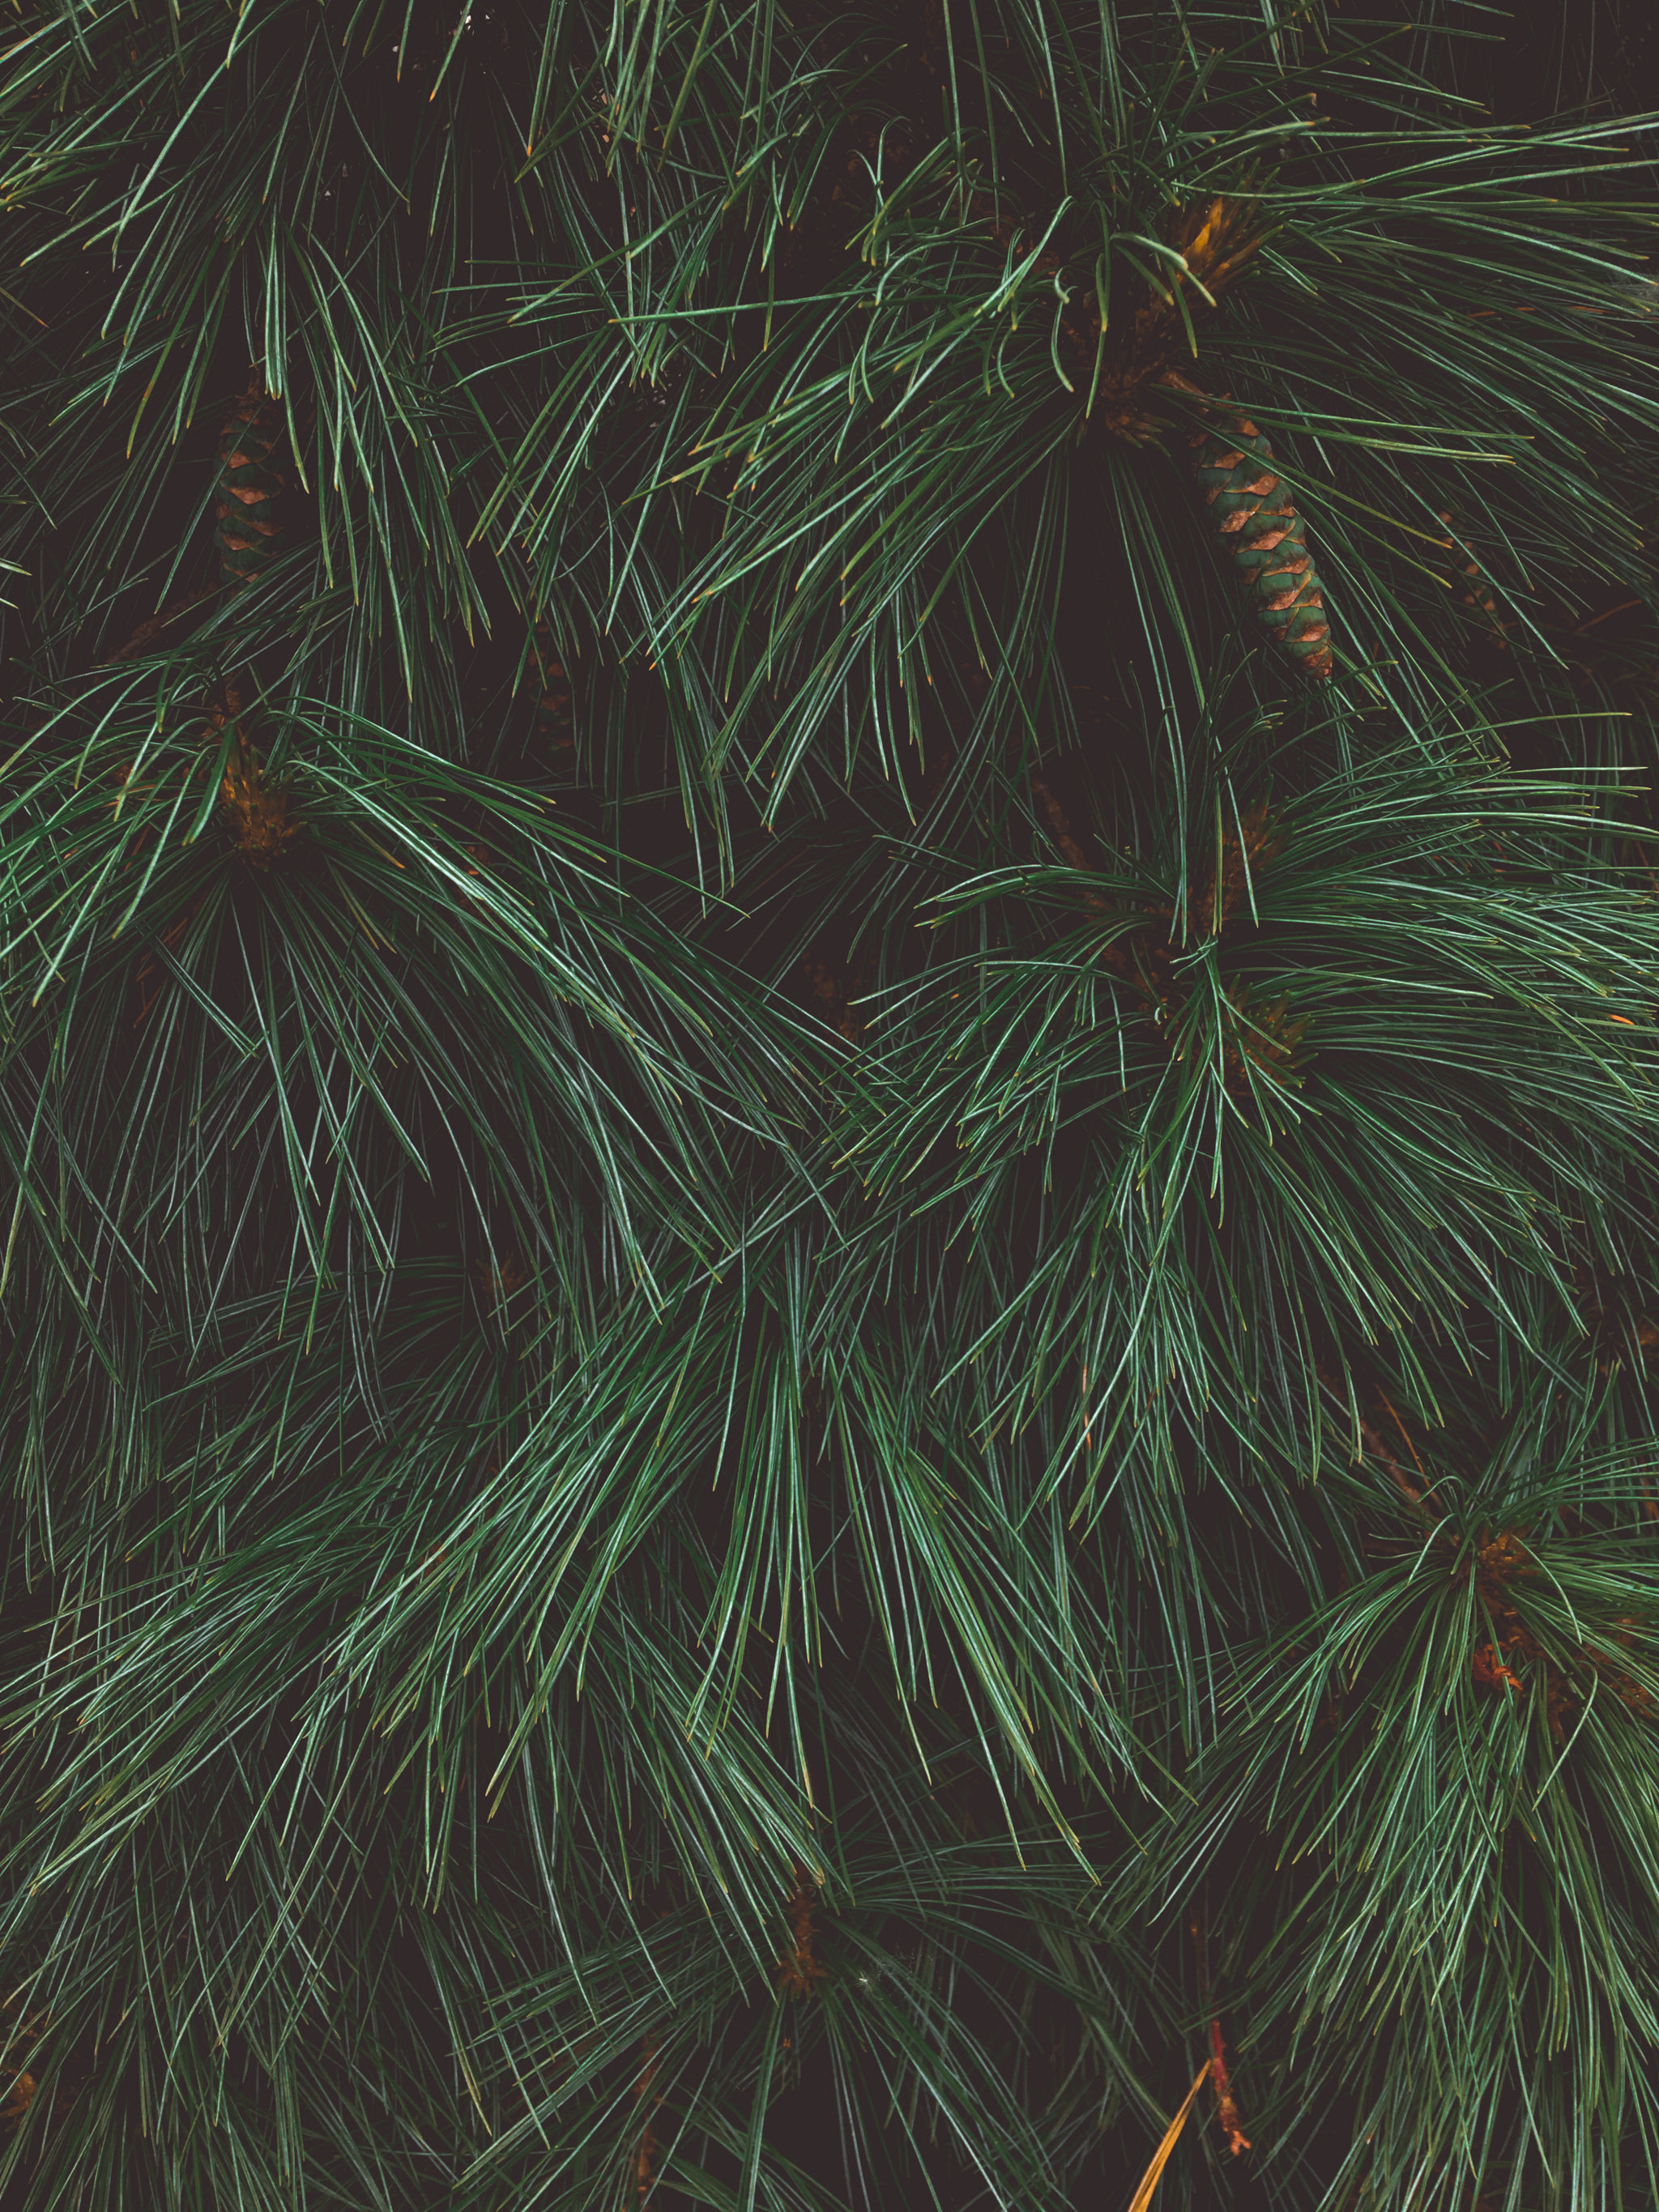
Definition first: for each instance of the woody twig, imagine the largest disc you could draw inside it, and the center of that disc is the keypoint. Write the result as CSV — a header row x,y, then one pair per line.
x,y
646,2147
798,1968
1226,2106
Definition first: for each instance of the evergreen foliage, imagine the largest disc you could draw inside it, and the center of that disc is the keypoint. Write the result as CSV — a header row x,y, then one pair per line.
x,y
827,1302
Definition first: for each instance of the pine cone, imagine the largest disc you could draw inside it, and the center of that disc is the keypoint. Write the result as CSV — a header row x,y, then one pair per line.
x,y
1254,508
245,531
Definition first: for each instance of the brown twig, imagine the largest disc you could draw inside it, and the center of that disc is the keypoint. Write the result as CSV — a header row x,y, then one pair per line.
x,y
647,2147
1414,1492
1226,2107
1606,615
798,1968
1226,2104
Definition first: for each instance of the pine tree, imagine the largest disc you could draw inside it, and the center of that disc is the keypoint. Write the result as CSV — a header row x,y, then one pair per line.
x,y
828,1087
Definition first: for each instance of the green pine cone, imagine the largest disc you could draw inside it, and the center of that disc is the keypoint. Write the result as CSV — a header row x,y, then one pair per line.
x,y
1254,508
245,530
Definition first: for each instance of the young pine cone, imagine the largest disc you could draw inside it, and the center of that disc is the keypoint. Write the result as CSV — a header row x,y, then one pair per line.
x,y
1255,512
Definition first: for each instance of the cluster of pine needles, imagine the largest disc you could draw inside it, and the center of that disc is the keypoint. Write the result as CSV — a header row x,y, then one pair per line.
x,y
829,1107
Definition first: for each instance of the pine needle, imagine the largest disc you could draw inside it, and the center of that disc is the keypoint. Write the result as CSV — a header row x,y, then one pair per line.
x,y
1149,2180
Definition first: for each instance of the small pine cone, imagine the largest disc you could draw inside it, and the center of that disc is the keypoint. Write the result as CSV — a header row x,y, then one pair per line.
x,y
245,531
1254,510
